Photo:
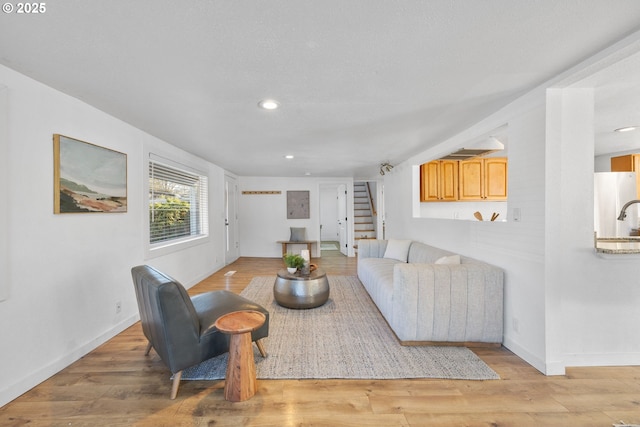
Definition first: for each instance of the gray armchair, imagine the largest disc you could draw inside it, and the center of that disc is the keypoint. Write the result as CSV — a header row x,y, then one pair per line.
x,y
181,328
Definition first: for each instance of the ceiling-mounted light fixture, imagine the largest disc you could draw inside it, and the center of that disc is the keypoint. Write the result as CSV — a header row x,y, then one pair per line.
x,y
626,129
268,104
385,167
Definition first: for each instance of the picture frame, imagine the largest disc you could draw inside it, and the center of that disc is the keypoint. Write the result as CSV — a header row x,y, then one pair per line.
x,y
88,178
298,205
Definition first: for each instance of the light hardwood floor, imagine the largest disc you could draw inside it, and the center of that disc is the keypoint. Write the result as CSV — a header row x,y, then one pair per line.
x,y
116,385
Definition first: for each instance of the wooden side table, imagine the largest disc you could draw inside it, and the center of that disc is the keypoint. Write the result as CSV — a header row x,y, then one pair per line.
x,y
240,383
286,243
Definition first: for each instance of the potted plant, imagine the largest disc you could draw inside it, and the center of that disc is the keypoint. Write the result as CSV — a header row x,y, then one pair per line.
x,y
293,262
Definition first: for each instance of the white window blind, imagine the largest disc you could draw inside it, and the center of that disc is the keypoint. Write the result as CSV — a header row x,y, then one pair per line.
x,y
178,206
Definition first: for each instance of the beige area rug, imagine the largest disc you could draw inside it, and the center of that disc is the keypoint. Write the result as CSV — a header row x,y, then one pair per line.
x,y
347,337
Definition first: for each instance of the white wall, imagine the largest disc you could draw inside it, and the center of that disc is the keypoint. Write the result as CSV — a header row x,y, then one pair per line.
x,y
263,217
4,204
67,271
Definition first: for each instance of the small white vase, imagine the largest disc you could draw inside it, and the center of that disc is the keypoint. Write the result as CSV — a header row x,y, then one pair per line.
x,y
291,270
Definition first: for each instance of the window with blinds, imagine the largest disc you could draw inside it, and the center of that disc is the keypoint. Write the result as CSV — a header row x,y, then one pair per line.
x,y
177,203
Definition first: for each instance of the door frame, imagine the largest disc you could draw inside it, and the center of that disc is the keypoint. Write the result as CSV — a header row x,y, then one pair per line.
x,y
231,241
348,183
381,231
380,208
328,213
343,231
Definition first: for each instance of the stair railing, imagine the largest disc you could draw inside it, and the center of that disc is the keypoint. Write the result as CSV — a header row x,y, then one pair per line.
x,y
373,206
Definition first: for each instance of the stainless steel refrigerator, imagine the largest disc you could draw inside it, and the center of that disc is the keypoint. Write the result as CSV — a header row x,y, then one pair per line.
x,y
612,191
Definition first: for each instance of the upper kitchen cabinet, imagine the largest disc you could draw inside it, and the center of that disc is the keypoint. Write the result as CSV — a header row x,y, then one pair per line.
x,y
628,163
483,179
439,181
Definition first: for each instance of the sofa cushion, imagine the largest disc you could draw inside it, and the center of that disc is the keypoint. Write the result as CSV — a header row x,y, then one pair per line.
x,y
425,254
376,274
397,249
450,259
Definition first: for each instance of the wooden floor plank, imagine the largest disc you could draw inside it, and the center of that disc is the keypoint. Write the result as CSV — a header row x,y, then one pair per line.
x,y
117,385
470,419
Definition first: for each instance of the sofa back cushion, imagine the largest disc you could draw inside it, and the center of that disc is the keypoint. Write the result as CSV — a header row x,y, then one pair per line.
x,y
397,249
425,254
450,260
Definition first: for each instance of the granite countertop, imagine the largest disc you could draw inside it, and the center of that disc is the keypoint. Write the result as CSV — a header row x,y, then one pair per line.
x,y
618,245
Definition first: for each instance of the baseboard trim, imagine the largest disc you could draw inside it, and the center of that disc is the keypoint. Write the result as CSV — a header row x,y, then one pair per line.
x,y
191,283
475,344
527,356
14,390
601,359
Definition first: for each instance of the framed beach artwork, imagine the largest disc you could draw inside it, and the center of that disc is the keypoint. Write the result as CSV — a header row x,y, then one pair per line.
x,y
88,178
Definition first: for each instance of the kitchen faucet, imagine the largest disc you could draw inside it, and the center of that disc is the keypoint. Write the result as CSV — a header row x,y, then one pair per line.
x,y
623,214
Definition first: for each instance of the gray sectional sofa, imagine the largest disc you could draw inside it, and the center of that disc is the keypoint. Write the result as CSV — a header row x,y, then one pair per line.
x,y
428,297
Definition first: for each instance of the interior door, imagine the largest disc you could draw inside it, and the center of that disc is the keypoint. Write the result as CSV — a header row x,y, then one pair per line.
x,y
328,213
342,219
231,219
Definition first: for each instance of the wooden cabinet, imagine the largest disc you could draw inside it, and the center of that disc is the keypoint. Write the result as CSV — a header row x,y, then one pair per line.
x,y
439,181
628,163
483,179
468,180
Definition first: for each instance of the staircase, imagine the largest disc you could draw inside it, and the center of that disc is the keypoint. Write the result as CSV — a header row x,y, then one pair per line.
x,y
364,227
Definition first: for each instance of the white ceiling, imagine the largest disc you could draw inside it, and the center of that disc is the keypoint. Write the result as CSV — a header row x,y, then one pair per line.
x,y
360,82
617,105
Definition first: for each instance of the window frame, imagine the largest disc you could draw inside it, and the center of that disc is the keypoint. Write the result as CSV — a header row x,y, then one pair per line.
x,y
179,243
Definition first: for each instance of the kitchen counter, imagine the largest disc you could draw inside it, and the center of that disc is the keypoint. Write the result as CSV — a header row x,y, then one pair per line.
x,y
618,245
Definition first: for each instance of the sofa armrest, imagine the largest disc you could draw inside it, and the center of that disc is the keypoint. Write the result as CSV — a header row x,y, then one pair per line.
x,y
452,303
371,248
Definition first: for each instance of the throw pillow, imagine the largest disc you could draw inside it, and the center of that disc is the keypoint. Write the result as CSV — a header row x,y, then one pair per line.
x,y
397,249
297,234
451,259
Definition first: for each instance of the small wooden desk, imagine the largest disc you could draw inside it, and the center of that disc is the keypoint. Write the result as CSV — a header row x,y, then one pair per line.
x,y
240,382
286,243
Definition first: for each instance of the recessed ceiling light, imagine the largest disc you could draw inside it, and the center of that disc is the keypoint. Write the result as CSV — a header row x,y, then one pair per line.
x,y
289,156
268,104
626,129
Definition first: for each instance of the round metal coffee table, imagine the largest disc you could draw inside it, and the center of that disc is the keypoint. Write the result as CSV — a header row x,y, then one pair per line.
x,y
299,291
